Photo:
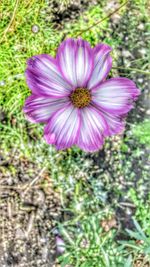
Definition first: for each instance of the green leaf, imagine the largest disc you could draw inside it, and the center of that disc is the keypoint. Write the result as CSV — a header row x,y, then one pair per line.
x,y
139,229
128,263
135,235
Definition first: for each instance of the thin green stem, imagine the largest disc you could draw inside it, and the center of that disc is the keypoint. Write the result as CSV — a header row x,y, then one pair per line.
x,y
137,70
99,21
11,21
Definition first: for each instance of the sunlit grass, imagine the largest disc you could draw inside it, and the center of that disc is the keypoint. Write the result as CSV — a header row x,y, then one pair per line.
x,y
18,43
142,132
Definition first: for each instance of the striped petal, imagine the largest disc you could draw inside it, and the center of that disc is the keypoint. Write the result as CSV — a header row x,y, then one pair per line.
x,y
63,128
44,78
75,59
102,64
60,245
40,108
115,95
93,129
115,123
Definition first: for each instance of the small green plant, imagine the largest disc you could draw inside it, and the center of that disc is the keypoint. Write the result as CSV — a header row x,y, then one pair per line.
x,y
139,243
142,214
142,132
88,245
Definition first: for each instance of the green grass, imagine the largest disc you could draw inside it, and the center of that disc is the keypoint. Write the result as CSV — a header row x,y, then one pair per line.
x,y
142,132
89,246
17,45
142,210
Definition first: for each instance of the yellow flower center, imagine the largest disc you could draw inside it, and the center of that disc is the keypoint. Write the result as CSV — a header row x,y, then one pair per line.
x,y
81,97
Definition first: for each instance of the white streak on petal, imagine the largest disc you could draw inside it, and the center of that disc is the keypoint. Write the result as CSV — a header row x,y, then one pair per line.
x,y
64,124
93,129
40,108
115,95
43,77
102,64
75,60
115,123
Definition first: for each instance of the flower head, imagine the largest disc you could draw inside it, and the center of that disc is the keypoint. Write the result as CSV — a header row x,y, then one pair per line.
x,y
71,95
60,245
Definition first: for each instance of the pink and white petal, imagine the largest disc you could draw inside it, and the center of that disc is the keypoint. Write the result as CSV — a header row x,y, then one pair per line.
x,y
102,64
63,127
93,129
116,124
75,60
60,245
40,108
115,95
43,77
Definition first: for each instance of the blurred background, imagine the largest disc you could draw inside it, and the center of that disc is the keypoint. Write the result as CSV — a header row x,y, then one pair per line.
x,y
97,206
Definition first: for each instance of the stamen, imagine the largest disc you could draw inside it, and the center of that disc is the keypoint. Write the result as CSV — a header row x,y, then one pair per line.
x,y
81,97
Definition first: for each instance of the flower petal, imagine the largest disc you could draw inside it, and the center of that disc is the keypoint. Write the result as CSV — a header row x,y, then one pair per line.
x,y
44,78
63,127
115,95
40,108
93,128
102,64
75,59
60,245
115,123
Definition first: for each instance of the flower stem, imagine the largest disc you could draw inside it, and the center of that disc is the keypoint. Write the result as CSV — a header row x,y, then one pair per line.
x,y
99,21
137,70
11,21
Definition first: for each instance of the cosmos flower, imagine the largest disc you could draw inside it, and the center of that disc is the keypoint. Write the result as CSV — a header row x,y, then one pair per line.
x,y
60,245
71,95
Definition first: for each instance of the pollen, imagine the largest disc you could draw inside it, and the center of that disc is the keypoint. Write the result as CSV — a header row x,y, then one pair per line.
x,y
81,97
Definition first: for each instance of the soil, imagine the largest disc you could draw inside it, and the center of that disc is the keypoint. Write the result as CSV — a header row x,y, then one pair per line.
x,y
29,213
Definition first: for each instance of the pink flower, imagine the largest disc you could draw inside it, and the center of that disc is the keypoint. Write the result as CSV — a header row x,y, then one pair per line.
x,y
71,95
60,245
